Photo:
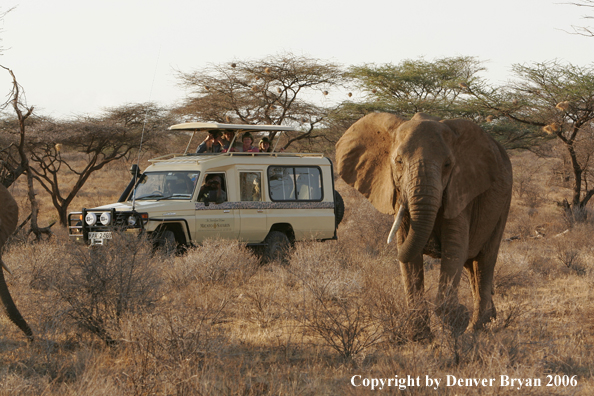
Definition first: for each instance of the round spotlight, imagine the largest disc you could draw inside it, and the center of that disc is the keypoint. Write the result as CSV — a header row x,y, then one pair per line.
x,y
91,219
132,221
105,218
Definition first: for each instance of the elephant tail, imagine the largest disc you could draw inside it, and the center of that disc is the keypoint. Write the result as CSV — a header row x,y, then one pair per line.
x,y
11,310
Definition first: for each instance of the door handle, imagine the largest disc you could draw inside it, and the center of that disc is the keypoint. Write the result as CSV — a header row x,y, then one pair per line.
x,y
226,211
260,211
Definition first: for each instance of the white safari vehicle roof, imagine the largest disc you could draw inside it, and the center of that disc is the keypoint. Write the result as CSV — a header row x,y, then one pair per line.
x,y
205,126
192,158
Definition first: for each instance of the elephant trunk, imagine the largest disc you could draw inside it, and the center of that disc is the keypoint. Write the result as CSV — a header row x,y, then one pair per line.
x,y
423,205
11,310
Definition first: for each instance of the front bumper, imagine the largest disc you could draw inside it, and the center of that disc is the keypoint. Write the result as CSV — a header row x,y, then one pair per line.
x,y
105,223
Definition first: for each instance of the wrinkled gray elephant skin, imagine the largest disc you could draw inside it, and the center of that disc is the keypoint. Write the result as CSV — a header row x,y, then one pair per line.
x,y
9,215
450,184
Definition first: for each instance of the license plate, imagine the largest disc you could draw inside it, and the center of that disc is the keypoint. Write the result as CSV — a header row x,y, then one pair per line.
x,y
100,235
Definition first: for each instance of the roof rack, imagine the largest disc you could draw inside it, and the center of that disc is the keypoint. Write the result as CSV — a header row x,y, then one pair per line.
x,y
205,126
207,157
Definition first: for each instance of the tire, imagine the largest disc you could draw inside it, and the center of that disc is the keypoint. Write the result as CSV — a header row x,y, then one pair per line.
x,y
338,208
166,242
277,247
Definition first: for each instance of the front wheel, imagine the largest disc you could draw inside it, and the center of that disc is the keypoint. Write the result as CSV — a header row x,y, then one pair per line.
x,y
166,242
277,247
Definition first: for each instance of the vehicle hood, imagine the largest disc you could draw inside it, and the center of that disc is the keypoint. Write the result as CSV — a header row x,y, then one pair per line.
x,y
154,208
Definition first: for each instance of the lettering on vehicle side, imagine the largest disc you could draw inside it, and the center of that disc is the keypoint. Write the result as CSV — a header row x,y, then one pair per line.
x,y
265,205
214,226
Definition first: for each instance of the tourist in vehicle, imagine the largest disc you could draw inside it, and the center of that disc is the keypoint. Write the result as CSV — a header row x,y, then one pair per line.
x,y
227,139
212,190
211,144
247,142
264,145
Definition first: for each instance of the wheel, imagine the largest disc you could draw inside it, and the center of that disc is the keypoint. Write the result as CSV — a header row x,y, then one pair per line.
x,y
277,247
338,207
166,242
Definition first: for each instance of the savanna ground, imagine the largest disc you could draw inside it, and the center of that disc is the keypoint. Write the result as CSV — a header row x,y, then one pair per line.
x,y
123,321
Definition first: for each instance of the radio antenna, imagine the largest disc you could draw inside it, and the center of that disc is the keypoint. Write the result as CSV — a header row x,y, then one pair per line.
x,y
143,129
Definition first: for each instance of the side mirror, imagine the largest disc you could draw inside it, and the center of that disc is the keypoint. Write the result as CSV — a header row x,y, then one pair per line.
x,y
134,170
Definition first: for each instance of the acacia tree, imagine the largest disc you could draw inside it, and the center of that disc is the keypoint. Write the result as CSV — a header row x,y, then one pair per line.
x,y
15,160
413,86
559,98
277,90
56,147
439,87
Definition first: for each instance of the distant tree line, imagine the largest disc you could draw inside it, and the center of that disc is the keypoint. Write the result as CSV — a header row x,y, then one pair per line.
x,y
544,102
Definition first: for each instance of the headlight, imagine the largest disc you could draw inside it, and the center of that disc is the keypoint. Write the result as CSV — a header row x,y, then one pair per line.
x,y
105,218
91,219
132,221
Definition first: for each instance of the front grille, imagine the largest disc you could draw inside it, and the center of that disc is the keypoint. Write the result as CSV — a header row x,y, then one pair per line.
x,y
119,222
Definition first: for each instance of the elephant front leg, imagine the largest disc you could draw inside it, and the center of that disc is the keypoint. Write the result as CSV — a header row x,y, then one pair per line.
x,y
414,286
454,245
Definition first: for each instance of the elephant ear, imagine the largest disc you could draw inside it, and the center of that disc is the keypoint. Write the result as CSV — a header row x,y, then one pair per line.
x,y
364,161
9,215
425,117
475,166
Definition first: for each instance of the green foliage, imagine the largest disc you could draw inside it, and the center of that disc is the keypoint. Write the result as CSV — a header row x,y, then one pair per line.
x,y
559,98
413,86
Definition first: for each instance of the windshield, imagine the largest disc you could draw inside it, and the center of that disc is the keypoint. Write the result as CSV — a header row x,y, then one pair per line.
x,y
166,185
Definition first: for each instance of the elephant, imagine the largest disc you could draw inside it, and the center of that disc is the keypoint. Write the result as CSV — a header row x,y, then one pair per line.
x,y
9,216
449,184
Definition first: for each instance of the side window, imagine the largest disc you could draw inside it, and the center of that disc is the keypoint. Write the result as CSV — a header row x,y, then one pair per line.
x,y
250,186
281,183
298,183
309,184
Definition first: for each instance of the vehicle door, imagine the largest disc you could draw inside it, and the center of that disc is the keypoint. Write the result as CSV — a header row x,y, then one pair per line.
x,y
215,220
252,213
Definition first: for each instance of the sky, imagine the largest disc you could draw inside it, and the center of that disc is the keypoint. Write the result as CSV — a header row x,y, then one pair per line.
x,y
77,57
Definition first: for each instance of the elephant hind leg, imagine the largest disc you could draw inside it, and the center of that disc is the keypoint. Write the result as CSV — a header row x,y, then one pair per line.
x,y
480,273
11,310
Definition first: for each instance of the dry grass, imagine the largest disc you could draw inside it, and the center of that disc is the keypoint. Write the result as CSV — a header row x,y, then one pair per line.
x,y
215,322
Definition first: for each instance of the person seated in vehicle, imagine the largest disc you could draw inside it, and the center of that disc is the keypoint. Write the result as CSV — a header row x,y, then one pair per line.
x,y
264,145
247,141
211,144
227,139
212,190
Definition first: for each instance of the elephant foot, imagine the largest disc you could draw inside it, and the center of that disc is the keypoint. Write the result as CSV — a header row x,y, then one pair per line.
x,y
480,320
456,318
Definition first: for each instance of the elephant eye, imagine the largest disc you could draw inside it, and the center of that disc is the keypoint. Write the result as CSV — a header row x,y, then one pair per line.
x,y
399,160
448,163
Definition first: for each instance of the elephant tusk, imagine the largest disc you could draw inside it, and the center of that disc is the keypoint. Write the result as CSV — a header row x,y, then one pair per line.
x,y
5,267
397,223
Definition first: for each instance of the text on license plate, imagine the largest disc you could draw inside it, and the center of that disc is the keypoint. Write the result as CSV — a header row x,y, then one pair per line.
x,y
99,235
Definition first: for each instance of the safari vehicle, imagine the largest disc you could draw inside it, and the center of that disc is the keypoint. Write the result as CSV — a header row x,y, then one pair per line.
x,y
272,199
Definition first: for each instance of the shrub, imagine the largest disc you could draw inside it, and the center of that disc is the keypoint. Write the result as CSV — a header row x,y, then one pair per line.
x,y
101,283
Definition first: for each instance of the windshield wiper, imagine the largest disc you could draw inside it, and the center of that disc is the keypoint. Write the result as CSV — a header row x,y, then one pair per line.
x,y
150,196
179,196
